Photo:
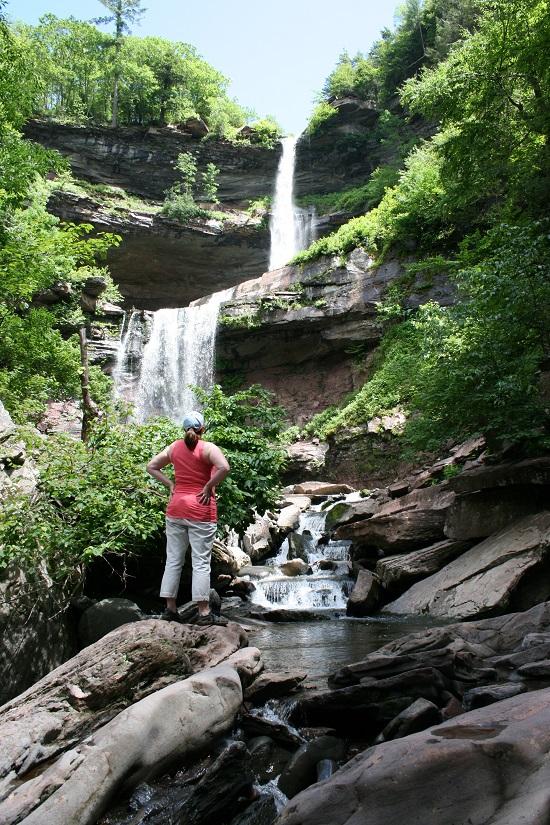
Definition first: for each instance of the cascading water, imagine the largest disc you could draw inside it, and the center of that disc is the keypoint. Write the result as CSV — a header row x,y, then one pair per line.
x,y
321,589
179,354
292,229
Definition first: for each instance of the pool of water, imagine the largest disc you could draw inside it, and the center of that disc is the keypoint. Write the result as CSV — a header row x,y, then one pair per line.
x,y
320,648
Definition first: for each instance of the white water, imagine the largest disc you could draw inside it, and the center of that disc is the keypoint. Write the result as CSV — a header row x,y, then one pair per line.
x,y
292,229
179,354
320,590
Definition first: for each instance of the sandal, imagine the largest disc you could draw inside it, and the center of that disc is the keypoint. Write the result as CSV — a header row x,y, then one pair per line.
x,y
171,616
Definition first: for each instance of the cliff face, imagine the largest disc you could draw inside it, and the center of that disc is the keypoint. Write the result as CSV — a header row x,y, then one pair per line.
x,y
141,161
163,263
307,332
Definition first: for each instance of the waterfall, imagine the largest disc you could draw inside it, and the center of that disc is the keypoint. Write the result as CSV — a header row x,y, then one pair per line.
x,y
292,228
157,375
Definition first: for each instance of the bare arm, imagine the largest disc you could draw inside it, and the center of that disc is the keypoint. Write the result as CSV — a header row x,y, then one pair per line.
x,y
157,463
215,456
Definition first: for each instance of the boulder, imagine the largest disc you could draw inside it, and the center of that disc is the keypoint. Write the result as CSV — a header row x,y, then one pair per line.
x,y
104,616
18,473
288,518
257,540
280,732
227,560
295,567
194,126
273,685
135,745
484,512
418,716
366,595
479,697
489,577
531,471
301,771
321,488
396,573
344,512
83,694
305,460
489,765
404,524
263,811
269,757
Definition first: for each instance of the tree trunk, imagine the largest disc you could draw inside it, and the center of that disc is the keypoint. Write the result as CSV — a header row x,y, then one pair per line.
x,y
90,410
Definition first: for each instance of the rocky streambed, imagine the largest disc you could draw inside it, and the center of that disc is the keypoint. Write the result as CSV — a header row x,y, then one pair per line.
x,y
338,691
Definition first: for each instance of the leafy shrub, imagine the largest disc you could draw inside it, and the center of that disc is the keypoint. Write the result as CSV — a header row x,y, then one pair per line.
x,y
322,113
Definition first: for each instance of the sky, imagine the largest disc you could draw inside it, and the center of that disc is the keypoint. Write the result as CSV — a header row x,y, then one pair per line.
x,y
277,53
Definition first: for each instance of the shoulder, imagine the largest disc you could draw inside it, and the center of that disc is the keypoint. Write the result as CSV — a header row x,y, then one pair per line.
x,y
172,447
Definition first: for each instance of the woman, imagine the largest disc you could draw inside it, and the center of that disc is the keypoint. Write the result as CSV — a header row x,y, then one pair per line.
x,y
191,514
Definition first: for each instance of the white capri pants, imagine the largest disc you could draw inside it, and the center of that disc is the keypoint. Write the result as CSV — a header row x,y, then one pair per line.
x,y
180,533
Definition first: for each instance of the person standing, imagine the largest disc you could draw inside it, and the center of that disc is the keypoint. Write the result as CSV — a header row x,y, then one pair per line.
x,y
191,514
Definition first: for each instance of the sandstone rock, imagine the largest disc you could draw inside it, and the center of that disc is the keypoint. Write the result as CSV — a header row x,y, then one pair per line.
x,y
283,614
366,595
269,757
263,811
398,489
531,471
482,513
452,774
305,460
278,731
194,126
399,572
94,285
295,567
106,615
344,512
227,560
273,685
303,502
321,488
83,694
137,744
486,578
18,473
480,697
288,518
418,716
257,540
301,770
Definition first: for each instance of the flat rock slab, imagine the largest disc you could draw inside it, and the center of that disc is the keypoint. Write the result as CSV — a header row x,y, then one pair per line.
x,y
321,488
483,580
400,571
488,766
272,685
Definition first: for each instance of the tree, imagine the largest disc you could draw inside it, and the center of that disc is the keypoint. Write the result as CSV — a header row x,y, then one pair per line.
x,y
123,13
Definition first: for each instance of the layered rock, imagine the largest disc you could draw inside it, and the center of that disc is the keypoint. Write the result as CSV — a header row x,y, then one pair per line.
x,y
165,263
141,160
291,330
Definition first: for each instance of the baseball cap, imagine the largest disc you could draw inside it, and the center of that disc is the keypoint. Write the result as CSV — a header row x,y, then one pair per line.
x,y
193,420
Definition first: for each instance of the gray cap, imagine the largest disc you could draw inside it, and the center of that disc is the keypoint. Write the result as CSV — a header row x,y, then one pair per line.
x,y
193,420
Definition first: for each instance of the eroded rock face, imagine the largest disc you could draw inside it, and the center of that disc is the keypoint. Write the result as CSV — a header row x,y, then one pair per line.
x,y
451,774
164,263
510,565
141,160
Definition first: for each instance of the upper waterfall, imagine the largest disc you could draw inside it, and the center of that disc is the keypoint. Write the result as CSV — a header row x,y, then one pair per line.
x,y
292,228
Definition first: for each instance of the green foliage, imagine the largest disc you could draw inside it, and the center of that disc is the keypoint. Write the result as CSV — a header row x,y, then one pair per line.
x,y
180,202
266,132
158,81
246,426
36,362
322,113
472,367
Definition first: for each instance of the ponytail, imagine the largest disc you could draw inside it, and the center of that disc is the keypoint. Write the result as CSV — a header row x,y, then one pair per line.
x,y
191,438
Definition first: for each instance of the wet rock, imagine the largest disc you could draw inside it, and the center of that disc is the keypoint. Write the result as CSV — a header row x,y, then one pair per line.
x,y
104,616
321,488
269,757
242,587
486,578
408,523
366,595
273,685
283,614
301,771
535,670
458,766
532,471
263,811
418,716
479,697
295,567
297,546
257,540
285,735
396,573
305,460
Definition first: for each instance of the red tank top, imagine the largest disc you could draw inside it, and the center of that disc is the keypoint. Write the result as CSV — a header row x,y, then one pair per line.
x,y
192,472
